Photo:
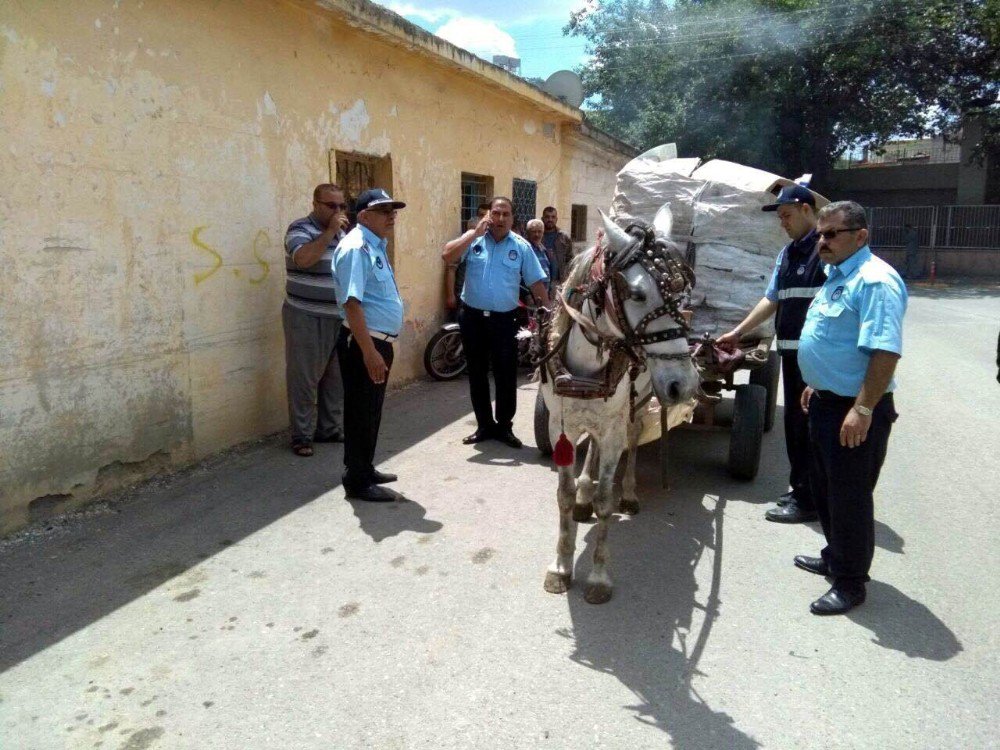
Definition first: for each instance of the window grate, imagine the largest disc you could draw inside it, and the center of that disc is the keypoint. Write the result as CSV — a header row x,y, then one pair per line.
x,y
523,195
476,189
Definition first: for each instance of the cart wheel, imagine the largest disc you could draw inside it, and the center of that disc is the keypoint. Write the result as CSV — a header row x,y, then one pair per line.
x,y
767,376
444,358
747,431
542,439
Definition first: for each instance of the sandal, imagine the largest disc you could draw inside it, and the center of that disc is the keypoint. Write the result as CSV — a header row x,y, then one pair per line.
x,y
302,449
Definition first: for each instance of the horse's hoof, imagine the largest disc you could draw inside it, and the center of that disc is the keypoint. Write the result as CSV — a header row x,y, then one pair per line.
x,y
597,593
582,512
557,583
628,507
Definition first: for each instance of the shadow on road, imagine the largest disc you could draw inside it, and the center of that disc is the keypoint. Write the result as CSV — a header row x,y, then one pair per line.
x,y
383,520
955,289
651,638
60,579
904,624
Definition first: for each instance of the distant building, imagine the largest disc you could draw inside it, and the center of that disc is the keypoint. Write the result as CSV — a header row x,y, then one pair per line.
x,y
918,172
511,64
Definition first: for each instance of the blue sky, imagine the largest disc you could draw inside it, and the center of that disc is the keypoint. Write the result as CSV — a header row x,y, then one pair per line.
x,y
529,29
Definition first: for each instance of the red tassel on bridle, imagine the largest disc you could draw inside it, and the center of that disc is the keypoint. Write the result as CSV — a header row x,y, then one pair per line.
x,y
562,454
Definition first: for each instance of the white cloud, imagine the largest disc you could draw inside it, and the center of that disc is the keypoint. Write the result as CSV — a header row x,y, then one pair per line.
x,y
483,38
411,11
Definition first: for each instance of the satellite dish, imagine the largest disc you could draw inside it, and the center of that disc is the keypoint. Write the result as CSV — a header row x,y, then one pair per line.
x,y
565,85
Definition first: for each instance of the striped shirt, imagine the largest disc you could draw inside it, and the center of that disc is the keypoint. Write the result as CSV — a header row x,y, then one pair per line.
x,y
310,290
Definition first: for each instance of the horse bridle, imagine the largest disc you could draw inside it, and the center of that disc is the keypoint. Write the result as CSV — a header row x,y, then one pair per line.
x,y
673,277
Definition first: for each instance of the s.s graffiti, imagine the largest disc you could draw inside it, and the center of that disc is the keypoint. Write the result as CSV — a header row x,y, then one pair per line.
x,y
261,244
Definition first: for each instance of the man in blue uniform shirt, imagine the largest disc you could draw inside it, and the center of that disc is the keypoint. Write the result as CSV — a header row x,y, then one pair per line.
x,y
850,344
373,314
798,275
496,260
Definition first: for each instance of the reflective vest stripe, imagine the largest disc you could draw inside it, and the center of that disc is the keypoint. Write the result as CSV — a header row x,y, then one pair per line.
x,y
785,345
798,292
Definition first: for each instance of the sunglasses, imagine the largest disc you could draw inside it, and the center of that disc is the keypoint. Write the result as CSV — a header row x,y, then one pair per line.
x,y
830,234
333,205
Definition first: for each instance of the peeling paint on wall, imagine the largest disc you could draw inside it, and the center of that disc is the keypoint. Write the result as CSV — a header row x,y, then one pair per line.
x,y
354,121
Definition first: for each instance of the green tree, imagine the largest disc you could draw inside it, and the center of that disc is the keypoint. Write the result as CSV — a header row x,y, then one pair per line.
x,y
786,85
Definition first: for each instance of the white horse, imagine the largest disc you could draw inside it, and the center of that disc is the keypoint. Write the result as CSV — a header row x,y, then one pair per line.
x,y
634,300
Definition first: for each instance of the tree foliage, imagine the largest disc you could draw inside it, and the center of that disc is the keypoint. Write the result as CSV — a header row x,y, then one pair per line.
x,y
787,85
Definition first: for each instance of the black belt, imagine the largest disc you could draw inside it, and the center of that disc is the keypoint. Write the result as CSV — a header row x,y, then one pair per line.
x,y
390,337
831,396
485,313
847,400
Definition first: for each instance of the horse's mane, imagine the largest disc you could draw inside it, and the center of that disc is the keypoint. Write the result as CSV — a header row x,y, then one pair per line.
x,y
579,274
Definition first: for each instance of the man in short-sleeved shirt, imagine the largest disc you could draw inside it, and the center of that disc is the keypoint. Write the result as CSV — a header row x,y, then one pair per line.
x,y
373,313
534,230
798,275
850,344
311,320
496,261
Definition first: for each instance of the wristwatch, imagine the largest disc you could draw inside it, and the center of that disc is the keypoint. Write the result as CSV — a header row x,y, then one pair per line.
x,y
864,411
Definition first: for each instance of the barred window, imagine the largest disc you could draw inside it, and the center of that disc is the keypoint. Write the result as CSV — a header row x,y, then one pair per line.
x,y
476,189
523,195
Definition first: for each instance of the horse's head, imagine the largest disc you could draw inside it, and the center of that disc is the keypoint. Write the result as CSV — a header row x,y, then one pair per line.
x,y
650,282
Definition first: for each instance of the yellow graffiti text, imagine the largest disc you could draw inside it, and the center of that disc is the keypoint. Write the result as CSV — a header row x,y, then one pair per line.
x,y
200,277
262,241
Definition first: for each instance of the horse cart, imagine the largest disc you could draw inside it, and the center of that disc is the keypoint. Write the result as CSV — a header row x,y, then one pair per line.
x,y
753,410
714,215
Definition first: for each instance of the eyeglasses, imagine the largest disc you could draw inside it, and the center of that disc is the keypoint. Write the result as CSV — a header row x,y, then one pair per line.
x,y
830,234
333,205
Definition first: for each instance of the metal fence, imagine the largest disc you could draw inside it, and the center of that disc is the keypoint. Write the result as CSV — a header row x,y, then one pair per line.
x,y
923,152
972,227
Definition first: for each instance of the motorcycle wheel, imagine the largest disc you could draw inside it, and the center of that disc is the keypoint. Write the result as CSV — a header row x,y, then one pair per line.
x,y
444,357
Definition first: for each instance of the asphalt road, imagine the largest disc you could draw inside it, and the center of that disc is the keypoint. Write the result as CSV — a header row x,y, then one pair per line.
x,y
247,604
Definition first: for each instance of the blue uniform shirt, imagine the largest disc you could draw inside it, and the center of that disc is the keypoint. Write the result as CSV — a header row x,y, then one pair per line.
x,y
858,310
361,270
494,270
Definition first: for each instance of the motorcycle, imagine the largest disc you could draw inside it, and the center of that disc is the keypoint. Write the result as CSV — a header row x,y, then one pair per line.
x,y
444,357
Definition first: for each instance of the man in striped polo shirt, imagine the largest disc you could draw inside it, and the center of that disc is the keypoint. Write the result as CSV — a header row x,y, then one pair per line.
x,y
797,277
312,319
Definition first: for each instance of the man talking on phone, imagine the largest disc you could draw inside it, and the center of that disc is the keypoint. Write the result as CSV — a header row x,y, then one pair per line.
x,y
311,319
496,260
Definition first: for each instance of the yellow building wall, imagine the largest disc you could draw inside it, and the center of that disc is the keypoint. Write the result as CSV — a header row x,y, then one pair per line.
x,y
151,156
590,172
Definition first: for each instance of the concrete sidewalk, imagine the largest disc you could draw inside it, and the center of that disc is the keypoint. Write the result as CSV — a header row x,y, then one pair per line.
x,y
247,604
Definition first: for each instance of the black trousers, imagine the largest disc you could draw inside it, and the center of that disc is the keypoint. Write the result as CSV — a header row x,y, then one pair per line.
x,y
843,480
363,401
796,431
490,342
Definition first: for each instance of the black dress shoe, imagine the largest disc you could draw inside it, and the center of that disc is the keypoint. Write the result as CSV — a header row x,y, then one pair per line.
x,y
383,477
509,438
483,433
788,497
370,494
815,565
791,513
838,601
